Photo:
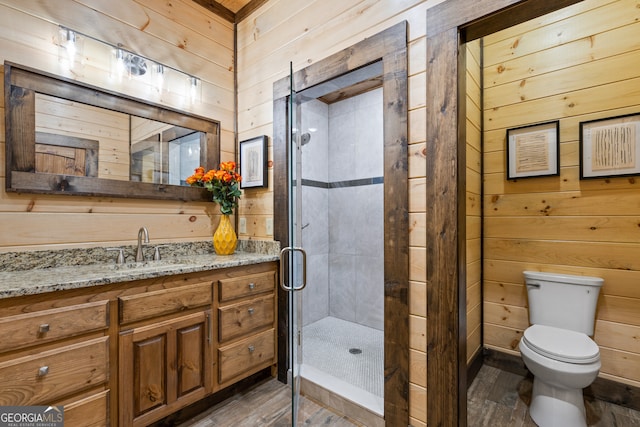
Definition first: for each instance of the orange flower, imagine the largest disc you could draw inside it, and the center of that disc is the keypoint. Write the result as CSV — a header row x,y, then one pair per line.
x,y
208,177
228,166
224,183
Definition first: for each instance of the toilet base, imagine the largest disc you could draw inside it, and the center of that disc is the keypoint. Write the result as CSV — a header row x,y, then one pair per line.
x,y
557,407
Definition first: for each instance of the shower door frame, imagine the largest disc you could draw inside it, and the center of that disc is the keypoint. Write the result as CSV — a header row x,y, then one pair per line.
x,y
389,47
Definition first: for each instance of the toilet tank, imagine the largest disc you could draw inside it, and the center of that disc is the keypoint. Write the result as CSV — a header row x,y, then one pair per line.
x,y
563,300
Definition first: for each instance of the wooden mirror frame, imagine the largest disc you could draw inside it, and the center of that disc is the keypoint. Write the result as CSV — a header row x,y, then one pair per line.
x,y
21,85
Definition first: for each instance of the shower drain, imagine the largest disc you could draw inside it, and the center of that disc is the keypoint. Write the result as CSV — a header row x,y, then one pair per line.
x,y
355,351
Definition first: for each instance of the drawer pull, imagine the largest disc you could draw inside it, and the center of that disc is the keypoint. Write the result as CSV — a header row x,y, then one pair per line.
x,y
44,328
251,311
44,370
251,349
252,286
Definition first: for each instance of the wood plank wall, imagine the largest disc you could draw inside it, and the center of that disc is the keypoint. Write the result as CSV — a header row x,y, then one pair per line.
x,y
180,34
110,128
305,32
473,201
581,63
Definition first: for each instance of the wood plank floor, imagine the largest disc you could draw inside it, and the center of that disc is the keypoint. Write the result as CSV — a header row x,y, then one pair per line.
x,y
496,398
267,404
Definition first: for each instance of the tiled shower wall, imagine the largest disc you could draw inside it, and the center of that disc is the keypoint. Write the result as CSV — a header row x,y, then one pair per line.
x,y
343,224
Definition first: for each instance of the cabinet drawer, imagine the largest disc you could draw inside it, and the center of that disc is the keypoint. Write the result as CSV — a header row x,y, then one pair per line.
x,y
243,318
92,411
240,287
44,377
246,354
39,327
164,301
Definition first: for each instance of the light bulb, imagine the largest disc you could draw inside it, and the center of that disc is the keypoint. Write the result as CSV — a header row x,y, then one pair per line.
x,y
194,86
159,77
120,69
70,46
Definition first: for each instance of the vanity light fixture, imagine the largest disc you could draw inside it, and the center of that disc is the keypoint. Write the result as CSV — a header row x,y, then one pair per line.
x,y
124,63
69,47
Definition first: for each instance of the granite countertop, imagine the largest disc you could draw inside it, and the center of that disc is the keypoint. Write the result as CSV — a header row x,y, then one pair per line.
x,y
30,273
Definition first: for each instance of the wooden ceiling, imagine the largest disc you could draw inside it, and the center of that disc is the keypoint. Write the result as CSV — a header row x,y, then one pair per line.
x,y
231,10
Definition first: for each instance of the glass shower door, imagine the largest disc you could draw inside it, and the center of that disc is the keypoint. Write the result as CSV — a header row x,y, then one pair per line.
x,y
293,257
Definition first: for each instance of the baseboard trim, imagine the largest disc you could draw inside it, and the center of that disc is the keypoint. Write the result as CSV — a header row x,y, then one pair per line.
x,y
603,389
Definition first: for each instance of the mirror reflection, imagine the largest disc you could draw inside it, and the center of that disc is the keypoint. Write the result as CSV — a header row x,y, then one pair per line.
x,y
78,139
66,137
166,155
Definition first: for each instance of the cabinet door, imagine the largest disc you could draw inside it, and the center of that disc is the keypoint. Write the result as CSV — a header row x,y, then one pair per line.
x,y
164,367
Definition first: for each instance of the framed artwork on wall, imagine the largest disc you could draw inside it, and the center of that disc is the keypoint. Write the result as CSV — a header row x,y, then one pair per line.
x,y
610,147
253,163
533,150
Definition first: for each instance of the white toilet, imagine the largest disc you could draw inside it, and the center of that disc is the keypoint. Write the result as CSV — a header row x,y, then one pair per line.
x,y
556,347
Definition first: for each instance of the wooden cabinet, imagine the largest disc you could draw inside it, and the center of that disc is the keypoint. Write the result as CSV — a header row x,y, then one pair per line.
x,y
152,304
164,367
52,374
56,356
246,325
167,364
246,356
132,353
236,320
24,330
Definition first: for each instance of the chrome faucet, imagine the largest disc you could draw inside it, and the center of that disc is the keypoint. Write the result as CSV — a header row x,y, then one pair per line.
x,y
139,254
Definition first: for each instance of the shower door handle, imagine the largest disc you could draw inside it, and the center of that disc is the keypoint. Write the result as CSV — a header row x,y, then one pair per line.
x,y
289,287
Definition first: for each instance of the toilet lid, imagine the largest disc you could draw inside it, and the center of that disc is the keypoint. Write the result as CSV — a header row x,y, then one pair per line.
x,y
562,344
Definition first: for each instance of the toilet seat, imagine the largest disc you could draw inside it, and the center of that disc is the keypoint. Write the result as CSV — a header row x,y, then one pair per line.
x,y
561,344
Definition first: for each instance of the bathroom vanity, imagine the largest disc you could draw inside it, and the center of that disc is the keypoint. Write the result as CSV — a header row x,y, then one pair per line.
x,y
128,345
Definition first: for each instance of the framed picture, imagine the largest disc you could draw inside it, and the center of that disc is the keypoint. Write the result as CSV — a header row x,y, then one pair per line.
x,y
253,162
610,147
533,150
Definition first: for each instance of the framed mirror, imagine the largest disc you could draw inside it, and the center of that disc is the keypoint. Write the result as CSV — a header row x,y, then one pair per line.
x,y
64,137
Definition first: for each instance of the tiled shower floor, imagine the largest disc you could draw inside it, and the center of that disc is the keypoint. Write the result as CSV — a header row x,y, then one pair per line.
x,y
347,351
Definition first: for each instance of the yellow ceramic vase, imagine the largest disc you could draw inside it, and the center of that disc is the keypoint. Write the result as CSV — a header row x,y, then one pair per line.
x,y
225,239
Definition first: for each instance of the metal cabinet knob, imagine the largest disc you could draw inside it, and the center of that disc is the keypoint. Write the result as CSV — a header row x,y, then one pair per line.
x,y
251,349
44,328
44,370
252,286
251,311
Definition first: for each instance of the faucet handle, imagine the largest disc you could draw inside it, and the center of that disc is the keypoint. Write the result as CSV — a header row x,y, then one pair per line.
x,y
156,252
120,258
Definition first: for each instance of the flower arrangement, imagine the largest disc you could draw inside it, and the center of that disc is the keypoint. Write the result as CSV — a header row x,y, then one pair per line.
x,y
224,183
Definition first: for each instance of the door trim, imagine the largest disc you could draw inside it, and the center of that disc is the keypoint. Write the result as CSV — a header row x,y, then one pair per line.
x,y
390,47
449,24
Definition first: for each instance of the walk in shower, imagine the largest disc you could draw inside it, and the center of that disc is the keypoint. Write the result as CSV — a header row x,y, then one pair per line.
x,y
340,181
343,235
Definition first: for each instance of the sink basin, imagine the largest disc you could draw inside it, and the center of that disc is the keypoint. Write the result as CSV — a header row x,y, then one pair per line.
x,y
147,264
